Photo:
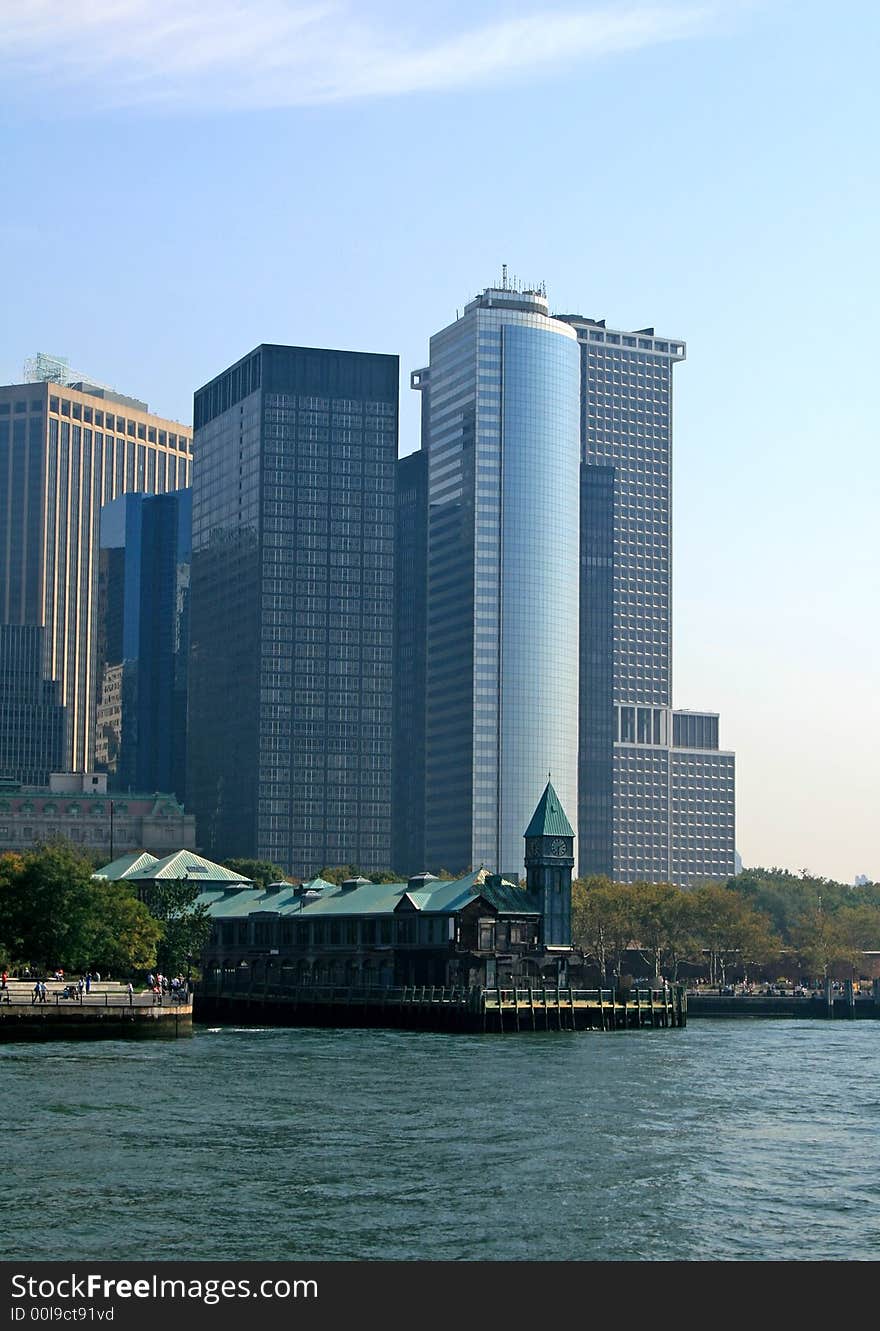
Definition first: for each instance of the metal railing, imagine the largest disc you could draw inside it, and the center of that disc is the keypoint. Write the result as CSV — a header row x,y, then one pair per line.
x,y
102,1000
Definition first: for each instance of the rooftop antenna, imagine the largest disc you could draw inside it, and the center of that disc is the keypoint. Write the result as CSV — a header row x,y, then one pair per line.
x,y
504,277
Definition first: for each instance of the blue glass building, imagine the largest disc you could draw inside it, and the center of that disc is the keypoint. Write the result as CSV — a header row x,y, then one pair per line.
x,y
501,439
143,641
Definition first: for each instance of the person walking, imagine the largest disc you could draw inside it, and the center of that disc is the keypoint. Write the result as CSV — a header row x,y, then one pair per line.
x,y
36,997
88,982
80,986
43,991
130,992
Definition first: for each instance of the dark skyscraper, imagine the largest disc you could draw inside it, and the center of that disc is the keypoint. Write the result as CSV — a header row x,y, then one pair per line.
x,y
408,845
143,641
656,795
290,728
31,715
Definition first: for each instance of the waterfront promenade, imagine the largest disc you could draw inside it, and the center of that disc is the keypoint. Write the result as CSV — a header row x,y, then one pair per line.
x,y
107,1010
829,1004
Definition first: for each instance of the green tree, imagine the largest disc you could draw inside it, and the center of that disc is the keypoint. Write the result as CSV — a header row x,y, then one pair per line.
x,y
124,935
337,873
657,920
186,924
860,925
11,941
787,897
602,921
53,913
261,872
681,940
52,899
820,941
731,930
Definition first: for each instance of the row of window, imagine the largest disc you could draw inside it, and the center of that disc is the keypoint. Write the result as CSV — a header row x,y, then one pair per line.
x,y
110,421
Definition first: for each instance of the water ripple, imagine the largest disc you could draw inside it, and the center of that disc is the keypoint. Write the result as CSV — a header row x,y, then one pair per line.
x,y
731,1141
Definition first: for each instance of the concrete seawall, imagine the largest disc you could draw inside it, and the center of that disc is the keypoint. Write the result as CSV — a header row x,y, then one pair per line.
x,y
415,1007
760,1005
100,1016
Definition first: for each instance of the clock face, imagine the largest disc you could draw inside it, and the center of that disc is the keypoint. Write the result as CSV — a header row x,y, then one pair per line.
x,y
558,847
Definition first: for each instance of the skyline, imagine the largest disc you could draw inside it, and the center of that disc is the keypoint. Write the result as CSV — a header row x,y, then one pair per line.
x,y
653,195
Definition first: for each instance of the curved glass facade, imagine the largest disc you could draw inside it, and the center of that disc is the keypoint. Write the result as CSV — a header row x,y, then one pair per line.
x,y
503,447
540,525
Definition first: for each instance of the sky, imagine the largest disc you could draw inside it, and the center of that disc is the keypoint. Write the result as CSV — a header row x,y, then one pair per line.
x,y
184,179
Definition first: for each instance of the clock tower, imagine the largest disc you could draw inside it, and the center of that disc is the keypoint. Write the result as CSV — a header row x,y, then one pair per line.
x,y
549,862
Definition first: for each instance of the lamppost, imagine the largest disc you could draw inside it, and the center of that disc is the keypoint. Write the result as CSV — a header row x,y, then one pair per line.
x,y
111,831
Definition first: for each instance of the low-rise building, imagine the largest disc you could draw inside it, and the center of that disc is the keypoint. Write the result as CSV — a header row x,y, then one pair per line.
x,y
480,928
424,931
77,807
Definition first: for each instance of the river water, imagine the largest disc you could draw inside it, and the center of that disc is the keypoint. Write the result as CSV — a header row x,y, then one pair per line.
x,y
729,1140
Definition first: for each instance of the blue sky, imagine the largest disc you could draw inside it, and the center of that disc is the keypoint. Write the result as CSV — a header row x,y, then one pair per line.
x,y
182,180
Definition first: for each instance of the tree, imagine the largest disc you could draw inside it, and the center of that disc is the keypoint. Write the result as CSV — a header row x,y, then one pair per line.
x,y
860,926
731,930
821,942
186,924
602,921
338,873
11,942
785,897
657,918
125,935
261,872
50,916
53,913
680,941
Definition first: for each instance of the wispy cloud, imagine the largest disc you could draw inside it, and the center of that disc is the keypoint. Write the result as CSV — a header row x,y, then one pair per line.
x,y
276,53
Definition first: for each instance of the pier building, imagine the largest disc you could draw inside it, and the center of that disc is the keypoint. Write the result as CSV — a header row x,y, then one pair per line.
x,y
477,929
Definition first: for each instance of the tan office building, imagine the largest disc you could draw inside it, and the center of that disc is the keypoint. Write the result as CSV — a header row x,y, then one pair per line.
x,y
66,449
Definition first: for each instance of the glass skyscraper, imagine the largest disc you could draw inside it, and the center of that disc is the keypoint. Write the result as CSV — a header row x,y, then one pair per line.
x,y
410,609
656,796
31,714
143,641
502,449
290,725
66,449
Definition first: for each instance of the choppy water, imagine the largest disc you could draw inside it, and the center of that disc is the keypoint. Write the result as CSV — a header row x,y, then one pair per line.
x,y
732,1140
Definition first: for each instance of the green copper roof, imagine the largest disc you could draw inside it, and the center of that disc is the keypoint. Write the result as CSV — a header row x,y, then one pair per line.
x,y
187,864
126,864
549,818
437,897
